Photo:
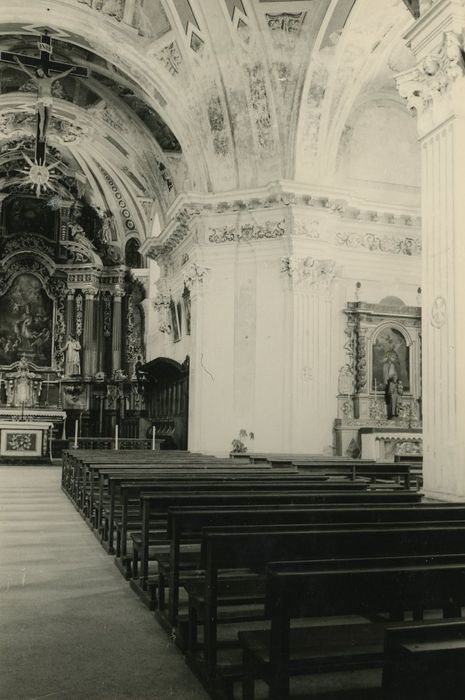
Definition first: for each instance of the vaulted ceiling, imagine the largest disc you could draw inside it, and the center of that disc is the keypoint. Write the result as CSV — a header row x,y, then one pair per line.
x,y
194,95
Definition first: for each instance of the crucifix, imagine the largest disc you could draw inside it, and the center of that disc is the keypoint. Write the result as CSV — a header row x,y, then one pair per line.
x,y
40,70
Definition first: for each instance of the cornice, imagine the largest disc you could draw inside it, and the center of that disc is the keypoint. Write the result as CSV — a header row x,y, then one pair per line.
x,y
272,204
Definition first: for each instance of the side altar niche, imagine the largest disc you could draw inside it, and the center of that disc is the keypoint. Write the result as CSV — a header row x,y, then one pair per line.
x,y
379,388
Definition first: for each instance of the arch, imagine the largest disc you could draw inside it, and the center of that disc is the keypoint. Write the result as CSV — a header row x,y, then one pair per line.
x,y
167,393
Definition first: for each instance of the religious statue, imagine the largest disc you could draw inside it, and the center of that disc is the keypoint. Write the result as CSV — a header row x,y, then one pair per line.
x,y
393,393
23,386
72,357
44,83
107,229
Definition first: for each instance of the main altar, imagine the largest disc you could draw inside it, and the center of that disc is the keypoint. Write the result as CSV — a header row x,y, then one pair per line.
x,y
71,325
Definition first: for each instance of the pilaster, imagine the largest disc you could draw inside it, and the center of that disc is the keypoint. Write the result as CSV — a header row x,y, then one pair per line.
x,y
435,91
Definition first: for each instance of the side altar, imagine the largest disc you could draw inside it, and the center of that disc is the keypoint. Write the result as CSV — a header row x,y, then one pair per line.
x,y
379,393
29,423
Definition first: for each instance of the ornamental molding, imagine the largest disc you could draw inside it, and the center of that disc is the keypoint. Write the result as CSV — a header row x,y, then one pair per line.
x,y
247,232
174,234
195,275
171,58
288,22
318,274
434,75
438,312
384,243
298,211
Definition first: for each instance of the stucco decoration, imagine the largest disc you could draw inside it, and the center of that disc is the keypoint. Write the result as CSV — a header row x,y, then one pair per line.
x,y
319,274
248,232
434,75
384,243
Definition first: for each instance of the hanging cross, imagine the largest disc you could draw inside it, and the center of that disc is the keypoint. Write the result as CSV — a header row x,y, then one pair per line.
x,y
41,69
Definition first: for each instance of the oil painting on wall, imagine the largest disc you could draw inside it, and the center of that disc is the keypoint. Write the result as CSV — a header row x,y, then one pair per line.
x,y
390,359
26,322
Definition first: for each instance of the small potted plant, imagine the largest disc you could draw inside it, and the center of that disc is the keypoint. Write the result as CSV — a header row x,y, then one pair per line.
x,y
238,445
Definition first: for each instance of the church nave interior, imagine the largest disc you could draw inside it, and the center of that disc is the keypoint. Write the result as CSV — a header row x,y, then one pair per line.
x,y
231,324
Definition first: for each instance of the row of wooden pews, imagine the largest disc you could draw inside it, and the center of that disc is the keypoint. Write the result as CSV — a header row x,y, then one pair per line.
x,y
230,553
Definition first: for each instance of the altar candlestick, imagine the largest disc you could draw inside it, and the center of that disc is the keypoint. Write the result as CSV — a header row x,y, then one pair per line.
x,y
48,387
76,428
153,437
116,436
376,390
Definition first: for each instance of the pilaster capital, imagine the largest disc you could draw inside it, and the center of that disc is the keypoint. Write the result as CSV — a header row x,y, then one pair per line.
x,y
434,77
309,273
90,294
195,275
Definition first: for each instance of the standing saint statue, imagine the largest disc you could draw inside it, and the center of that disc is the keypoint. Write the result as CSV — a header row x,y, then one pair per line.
x,y
72,357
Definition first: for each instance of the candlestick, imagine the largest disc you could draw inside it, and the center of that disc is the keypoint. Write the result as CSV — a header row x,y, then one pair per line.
x,y
76,428
116,436
153,437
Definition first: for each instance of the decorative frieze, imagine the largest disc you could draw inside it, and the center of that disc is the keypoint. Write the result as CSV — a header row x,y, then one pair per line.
x,y
384,243
248,232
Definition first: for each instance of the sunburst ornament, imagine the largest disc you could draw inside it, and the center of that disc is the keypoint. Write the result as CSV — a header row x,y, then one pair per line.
x,y
39,176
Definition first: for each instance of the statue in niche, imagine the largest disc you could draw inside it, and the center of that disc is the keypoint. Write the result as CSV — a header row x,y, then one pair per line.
x,y
72,357
390,358
393,394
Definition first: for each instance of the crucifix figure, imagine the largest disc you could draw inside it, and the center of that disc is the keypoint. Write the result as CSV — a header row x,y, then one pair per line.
x,y
40,70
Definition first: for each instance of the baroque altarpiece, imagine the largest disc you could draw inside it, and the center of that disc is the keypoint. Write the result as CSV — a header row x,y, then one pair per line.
x,y
379,392
71,320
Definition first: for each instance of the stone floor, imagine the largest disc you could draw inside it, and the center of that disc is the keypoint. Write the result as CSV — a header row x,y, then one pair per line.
x,y
70,627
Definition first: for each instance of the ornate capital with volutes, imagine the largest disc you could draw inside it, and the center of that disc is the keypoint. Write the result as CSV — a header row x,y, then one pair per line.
x,y
314,274
434,76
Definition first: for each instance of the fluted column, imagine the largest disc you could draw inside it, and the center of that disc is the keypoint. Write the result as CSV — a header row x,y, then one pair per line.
x,y
435,91
90,336
70,299
116,334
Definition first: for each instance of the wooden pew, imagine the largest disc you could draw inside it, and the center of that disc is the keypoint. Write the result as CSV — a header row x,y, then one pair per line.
x,y
84,472
320,590
185,527
130,492
152,505
124,490
253,550
425,661
108,479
